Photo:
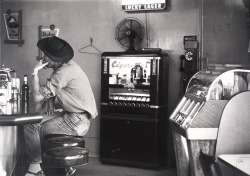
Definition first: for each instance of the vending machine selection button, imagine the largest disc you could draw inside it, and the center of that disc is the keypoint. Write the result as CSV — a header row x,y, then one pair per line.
x,y
137,105
129,98
138,99
148,100
143,99
134,99
143,105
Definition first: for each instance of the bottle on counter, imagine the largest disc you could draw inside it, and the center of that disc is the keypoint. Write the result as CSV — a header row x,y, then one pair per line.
x,y
132,75
25,95
139,72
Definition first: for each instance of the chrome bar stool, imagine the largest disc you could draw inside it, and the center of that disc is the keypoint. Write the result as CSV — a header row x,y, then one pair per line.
x,y
62,154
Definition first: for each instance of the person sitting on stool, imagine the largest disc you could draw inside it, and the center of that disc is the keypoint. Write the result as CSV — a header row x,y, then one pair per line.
x,y
70,86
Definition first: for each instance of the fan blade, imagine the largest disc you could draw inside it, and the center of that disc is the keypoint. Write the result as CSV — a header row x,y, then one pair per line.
x,y
125,42
123,31
131,24
123,38
121,34
136,24
128,24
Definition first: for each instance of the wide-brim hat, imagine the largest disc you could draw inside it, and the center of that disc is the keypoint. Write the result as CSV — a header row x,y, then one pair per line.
x,y
56,48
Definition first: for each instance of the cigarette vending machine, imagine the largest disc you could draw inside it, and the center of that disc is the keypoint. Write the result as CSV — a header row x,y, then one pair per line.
x,y
196,118
133,108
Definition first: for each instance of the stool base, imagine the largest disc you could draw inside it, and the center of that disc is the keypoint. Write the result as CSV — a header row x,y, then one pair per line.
x,y
53,171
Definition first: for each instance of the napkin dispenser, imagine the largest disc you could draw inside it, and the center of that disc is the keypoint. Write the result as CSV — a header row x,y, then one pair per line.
x,y
6,84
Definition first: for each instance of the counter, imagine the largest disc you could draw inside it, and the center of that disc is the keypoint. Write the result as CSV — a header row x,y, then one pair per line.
x,y
235,164
11,133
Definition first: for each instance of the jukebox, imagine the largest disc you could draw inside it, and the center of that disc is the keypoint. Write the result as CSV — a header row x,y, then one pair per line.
x,y
133,107
196,118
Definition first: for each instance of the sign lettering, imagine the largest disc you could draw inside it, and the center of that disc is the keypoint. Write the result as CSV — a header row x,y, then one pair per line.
x,y
143,7
137,5
122,65
46,32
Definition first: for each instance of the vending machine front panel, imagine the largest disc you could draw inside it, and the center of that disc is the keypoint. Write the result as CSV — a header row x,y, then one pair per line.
x,y
133,108
134,83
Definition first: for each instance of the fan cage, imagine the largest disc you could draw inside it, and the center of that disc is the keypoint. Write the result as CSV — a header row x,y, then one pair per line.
x,y
123,30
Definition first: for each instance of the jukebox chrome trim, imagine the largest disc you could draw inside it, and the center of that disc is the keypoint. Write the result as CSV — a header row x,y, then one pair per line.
x,y
150,106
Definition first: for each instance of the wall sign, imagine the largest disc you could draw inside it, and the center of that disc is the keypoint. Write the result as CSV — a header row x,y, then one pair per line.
x,y
46,31
13,25
137,5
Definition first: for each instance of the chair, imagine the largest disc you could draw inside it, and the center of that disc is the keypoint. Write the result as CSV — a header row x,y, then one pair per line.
x,y
233,136
62,153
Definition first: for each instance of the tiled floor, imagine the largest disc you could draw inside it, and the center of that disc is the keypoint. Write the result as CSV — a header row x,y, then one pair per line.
x,y
96,168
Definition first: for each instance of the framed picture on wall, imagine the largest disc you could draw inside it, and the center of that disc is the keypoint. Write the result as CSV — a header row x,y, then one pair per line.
x,y
13,26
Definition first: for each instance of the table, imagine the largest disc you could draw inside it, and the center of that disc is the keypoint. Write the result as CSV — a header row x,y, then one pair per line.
x,y
11,133
234,164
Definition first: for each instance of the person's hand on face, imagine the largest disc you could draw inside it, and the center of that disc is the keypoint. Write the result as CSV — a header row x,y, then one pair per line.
x,y
40,66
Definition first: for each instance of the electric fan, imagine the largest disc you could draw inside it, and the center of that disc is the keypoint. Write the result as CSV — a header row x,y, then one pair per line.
x,y
129,33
